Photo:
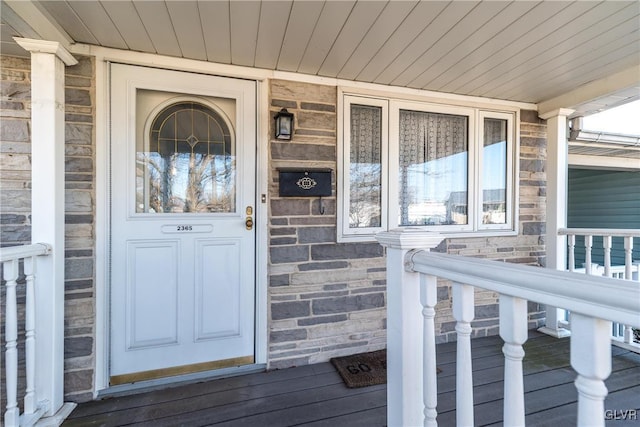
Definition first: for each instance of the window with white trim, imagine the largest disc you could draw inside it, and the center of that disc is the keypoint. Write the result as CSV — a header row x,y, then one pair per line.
x,y
445,168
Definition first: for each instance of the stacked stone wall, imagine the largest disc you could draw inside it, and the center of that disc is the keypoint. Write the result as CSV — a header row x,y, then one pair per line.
x,y
15,151
327,298
79,343
15,199
15,185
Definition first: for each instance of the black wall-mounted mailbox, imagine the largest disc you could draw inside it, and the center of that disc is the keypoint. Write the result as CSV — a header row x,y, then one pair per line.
x,y
305,182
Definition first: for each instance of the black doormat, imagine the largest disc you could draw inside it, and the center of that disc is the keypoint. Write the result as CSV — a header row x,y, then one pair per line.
x,y
364,369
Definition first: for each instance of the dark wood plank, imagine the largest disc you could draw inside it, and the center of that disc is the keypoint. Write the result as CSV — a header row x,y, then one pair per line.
x,y
376,417
494,390
621,400
201,388
314,395
155,409
301,415
539,400
257,409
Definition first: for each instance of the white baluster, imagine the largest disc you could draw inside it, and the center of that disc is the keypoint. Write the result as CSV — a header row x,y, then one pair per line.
x,y
30,337
513,330
591,359
463,312
588,243
606,244
628,334
628,249
571,241
12,414
429,299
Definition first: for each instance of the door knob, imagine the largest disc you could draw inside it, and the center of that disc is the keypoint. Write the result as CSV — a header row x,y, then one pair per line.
x,y
248,222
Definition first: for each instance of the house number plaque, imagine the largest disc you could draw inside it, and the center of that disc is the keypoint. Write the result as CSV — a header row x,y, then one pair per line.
x,y
187,228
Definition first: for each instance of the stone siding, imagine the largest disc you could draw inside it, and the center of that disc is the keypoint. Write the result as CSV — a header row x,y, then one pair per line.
x,y
15,198
15,188
80,230
325,299
15,151
328,299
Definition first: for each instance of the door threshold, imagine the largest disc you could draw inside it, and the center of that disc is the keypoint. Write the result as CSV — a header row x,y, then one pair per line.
x,y
179,380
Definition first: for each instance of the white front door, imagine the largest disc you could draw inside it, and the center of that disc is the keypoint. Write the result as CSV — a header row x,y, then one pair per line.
x,y
182,247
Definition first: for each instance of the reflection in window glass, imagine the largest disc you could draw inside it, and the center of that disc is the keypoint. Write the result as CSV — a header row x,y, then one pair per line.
x,y
365,171
188,164
494,172
433,168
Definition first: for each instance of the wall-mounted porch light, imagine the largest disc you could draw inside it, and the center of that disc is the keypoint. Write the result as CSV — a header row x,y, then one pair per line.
x,y
284,124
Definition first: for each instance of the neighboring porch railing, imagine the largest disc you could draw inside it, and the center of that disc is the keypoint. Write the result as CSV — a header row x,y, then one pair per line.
x,y
621,334
412,276
36,403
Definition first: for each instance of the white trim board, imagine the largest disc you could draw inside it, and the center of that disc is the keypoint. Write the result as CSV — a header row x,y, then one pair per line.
x,y
593,90
584,161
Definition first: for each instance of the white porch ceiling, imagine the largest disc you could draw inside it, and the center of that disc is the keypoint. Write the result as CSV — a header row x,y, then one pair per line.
x,y
525,51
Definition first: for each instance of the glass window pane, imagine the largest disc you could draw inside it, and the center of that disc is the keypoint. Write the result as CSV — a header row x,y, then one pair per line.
x,y
365,170
433,168
183,167
494,172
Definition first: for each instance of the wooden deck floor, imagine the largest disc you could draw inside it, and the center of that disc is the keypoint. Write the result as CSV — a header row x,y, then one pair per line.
x,y
315,395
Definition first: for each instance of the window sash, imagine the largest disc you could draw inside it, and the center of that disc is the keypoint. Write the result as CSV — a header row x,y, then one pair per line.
x,y
390,165
345,202
433,166
395,189
509,171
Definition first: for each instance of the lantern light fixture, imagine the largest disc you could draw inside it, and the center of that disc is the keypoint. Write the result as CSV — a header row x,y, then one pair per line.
x,y
284,124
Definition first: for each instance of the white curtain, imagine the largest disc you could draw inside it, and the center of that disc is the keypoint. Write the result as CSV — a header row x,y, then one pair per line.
x,y
433,168
365,192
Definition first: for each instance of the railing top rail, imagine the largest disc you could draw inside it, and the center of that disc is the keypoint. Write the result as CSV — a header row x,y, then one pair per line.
x,y
601,297
24,251
616,232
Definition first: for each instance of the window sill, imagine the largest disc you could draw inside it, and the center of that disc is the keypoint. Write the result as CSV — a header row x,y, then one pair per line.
x,y
355,238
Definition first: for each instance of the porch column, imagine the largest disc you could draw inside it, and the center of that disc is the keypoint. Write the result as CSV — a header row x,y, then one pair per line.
x,y
48,60
556,213
405,336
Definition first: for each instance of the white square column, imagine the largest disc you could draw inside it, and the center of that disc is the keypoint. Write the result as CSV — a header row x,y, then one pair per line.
x,y
48,60
405,335
556,213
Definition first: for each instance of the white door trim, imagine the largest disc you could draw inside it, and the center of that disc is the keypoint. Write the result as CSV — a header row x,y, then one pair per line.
x,y
102,220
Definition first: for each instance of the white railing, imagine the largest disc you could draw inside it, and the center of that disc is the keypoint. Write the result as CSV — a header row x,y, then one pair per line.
x,y
34,407
412,276
630,270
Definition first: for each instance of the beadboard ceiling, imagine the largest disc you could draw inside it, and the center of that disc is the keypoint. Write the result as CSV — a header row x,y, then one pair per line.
x,y
525,51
